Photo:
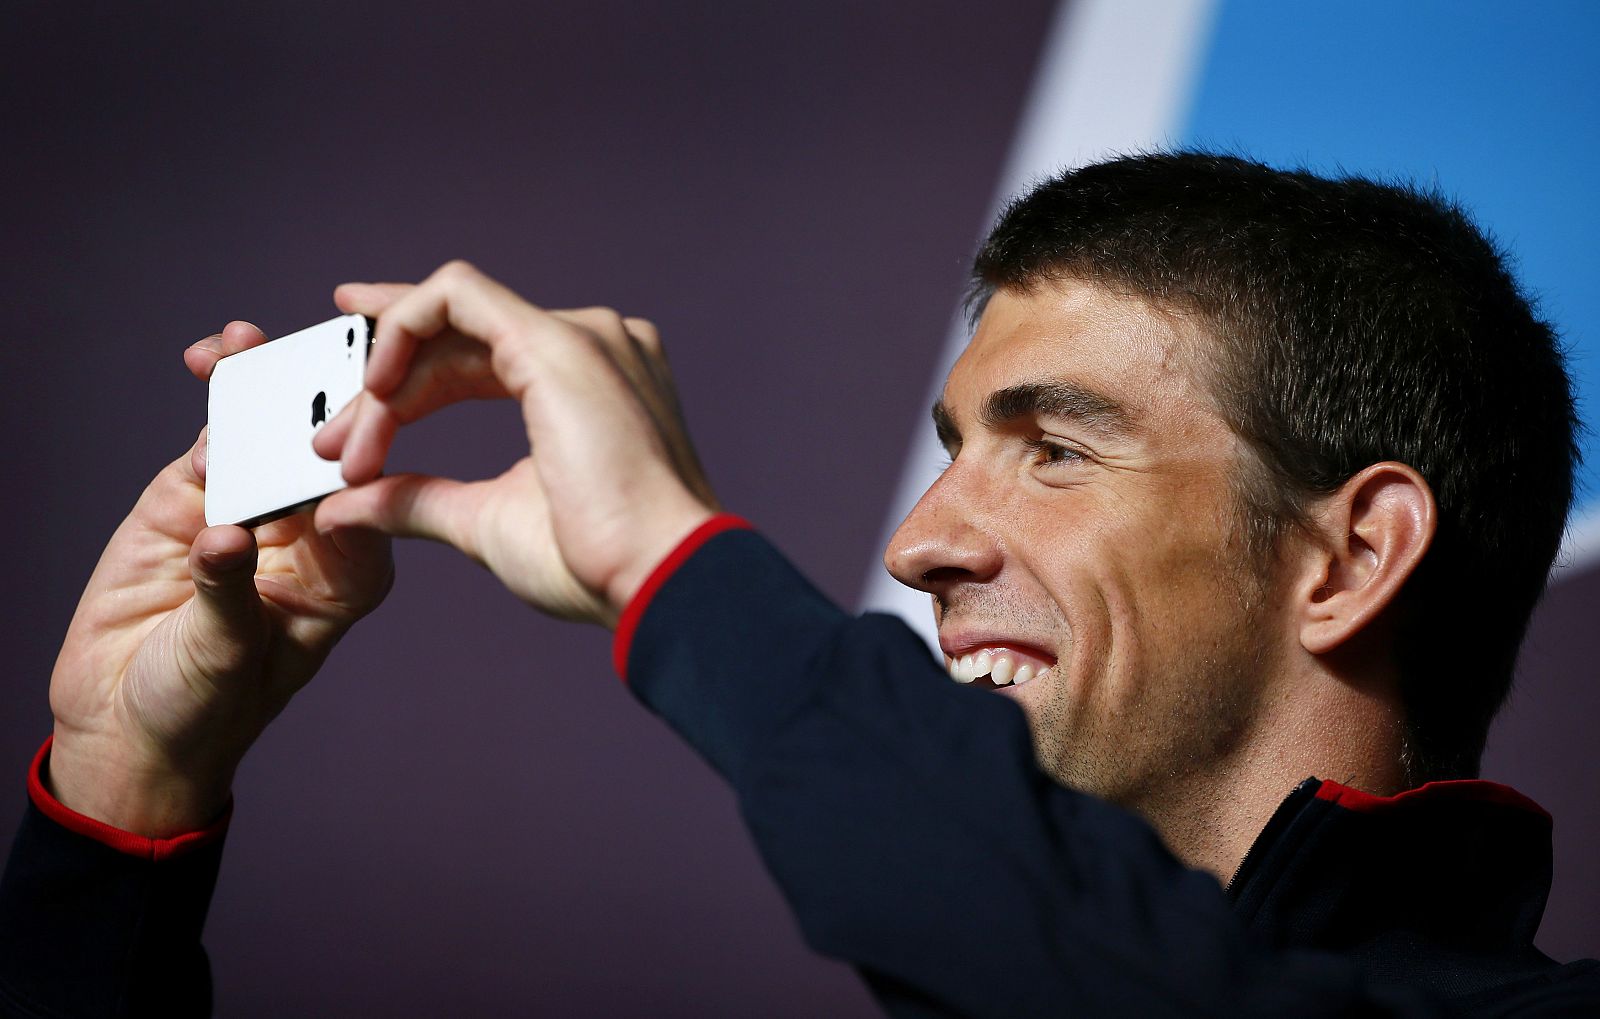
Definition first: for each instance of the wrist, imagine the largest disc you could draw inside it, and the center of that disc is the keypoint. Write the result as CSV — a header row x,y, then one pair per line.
x,y
665,535
633,612
133,792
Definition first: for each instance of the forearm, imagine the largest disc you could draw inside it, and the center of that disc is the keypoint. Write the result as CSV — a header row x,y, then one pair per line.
x,y
100,922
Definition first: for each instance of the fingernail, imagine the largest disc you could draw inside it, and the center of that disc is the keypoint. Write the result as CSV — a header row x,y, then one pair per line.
x,y
210,343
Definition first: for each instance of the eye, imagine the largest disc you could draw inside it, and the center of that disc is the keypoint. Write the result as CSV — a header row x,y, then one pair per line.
x,y
1047,453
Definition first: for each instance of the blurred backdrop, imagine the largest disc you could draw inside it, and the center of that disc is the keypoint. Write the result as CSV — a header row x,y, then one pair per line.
x,y
466,813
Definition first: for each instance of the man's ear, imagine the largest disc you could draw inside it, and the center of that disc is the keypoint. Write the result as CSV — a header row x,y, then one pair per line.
x,y
1368,538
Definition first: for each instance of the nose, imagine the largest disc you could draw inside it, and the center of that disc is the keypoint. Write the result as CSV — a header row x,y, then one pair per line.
x,y
941,542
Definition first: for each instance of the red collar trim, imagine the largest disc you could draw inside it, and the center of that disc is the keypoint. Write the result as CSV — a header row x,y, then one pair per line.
x,y
1456,791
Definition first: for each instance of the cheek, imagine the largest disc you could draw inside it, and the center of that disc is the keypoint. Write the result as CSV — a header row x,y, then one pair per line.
x,y
1133,571
1154,595
1086,605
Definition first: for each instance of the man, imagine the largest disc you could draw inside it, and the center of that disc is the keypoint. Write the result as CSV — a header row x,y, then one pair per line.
x,y
1227,490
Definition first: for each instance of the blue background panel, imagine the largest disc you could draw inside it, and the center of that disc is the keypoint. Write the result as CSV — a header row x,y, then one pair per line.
x,y
1496,104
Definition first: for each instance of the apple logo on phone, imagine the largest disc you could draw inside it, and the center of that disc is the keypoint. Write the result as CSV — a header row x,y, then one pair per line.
x,y
319,409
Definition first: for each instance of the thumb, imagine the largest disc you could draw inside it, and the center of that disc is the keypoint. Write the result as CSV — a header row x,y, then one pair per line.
x,y
225,624
407,506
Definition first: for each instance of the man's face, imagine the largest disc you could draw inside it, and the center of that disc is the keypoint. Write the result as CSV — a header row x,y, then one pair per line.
x,y
1085,539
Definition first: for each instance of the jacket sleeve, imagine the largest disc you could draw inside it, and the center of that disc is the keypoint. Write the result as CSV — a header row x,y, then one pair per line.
x,y
100,923
911,831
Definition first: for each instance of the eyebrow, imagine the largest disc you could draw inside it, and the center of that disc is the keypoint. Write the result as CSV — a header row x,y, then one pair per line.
x,y
1059,398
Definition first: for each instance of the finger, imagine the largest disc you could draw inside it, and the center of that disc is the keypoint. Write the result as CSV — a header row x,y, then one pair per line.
x,y
201,358
240,335
197,457
635,345
328,441
180,486
606,322
645,331
611,329
406,506
627,351
365,448
369,298
224,625
648,340
446,370
457,296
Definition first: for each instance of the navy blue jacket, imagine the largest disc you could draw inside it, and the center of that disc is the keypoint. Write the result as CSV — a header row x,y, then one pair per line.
x,y
913,835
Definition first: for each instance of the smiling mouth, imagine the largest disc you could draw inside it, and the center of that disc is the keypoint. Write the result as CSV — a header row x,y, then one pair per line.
x,y
996,667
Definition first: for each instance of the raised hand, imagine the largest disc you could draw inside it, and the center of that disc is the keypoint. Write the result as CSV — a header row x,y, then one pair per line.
x,y
611,483
189,639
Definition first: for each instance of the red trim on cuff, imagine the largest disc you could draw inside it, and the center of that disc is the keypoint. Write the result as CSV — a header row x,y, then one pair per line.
x,y
628,623
122,841
1470,790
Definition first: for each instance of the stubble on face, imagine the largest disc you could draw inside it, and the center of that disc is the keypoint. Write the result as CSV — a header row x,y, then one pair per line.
x,y
1144,750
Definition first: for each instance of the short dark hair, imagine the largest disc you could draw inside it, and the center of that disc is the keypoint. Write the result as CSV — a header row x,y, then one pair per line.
x,y
1356,321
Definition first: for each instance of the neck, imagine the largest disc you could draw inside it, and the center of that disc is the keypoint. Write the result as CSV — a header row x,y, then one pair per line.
x,y
1318,724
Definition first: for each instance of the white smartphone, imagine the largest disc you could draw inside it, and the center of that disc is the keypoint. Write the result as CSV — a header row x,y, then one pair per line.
x,y
266,403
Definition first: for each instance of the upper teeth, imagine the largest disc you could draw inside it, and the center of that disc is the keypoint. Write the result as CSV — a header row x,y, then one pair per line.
x,y
1000,666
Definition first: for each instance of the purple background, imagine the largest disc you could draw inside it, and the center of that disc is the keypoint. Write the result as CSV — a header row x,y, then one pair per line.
x,y
466,812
